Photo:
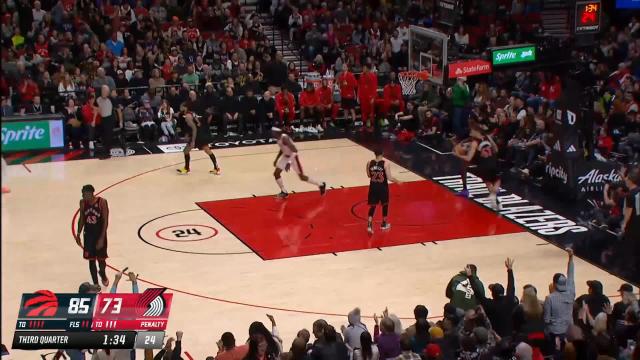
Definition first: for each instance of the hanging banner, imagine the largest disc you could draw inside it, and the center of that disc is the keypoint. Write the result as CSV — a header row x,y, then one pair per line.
x,y
469,68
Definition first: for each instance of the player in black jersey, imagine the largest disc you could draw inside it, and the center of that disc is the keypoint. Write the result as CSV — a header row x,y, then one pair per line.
x,y
379,174
199,134
94,220
483,153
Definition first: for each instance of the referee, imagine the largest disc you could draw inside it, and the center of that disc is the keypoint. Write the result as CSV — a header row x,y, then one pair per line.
x,y
105,108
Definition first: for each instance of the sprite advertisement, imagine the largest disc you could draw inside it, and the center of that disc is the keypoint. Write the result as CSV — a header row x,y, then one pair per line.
x,y
32,135
514,55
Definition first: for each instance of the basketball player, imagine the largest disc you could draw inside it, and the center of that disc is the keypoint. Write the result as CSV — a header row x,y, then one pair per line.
x,y
462,147
288,159
94,220
197,129
367,93
348,84
379,174
482,152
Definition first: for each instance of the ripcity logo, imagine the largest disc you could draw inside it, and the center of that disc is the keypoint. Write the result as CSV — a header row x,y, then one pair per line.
x,y
151,303
557,172
44,303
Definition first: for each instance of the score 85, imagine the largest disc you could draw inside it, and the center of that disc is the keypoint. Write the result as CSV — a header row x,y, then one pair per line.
x,y
79,306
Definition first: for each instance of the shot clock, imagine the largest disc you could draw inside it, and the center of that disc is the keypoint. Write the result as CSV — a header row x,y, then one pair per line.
x,y
588,17
92,321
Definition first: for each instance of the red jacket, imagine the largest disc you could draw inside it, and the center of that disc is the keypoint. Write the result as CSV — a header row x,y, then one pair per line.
x,y
348,84
288,102
392,92
325,95
367,85
309,99
28,89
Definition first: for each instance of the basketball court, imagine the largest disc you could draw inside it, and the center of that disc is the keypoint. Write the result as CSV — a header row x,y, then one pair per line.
x,y
231,252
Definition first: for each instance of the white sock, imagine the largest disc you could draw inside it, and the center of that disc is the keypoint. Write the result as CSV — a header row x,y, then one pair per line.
x,y
311,181
493,198
281,184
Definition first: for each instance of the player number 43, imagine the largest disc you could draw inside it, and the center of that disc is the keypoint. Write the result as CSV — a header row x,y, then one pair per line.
x,y
114,303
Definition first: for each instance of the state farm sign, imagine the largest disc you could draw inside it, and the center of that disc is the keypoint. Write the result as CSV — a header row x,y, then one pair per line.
x,y
469,68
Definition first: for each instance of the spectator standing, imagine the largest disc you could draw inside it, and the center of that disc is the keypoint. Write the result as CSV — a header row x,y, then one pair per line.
x,y
620,308
528,319
500,307
595,299
388,341
354,330
460,291
332,348
461,98
105,110
368,350
419,312
558,306
227,349
407,353
115,45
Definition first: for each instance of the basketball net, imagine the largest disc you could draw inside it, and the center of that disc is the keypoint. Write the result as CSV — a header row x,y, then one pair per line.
x,y
409,79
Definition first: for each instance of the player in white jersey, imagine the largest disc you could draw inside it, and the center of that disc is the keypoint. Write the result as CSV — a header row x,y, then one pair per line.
x,y
288,159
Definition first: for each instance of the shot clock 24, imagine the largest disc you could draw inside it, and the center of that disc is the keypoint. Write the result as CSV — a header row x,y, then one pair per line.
x,y
47,320
588,17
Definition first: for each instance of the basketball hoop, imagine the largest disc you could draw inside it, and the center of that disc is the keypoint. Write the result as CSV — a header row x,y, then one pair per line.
x,y
409,79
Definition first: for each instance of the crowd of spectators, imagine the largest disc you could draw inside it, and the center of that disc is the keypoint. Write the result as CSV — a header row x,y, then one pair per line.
x,y
477,323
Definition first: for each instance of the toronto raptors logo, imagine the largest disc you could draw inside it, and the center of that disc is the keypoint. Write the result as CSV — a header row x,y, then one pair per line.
x,y
43,303
151,303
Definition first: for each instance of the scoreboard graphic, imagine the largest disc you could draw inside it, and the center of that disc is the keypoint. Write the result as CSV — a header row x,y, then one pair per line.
x,y
47,320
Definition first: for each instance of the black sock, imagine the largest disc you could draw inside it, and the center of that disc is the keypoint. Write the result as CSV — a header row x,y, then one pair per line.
x,y
102,264
187,160
94,271
385,210
213,159
372,211
464,178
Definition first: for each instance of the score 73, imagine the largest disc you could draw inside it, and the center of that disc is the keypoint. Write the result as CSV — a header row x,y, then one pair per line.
x,y
115,303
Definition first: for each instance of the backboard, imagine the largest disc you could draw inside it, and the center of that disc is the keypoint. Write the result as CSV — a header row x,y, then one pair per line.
x,y
428,51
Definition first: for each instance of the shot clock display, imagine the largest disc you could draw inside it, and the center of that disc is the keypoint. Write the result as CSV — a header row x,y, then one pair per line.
x,y
92,321
588,17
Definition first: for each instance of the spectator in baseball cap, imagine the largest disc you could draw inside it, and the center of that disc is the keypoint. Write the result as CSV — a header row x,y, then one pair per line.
x,y
627,298
558,306
500,307
595,299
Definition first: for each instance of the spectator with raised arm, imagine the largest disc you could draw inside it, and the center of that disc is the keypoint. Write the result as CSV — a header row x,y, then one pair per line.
x,y
500,307
558,306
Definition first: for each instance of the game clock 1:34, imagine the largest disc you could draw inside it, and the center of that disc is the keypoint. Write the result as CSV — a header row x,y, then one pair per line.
x,y
114,339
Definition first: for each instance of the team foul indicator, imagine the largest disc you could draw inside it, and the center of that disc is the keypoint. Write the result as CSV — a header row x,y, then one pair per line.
x,y
49,320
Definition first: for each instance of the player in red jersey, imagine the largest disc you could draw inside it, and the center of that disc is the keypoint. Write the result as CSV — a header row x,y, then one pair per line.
x,y
285,106
367,93
348,85
392,95
310,107
325,102
93,218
